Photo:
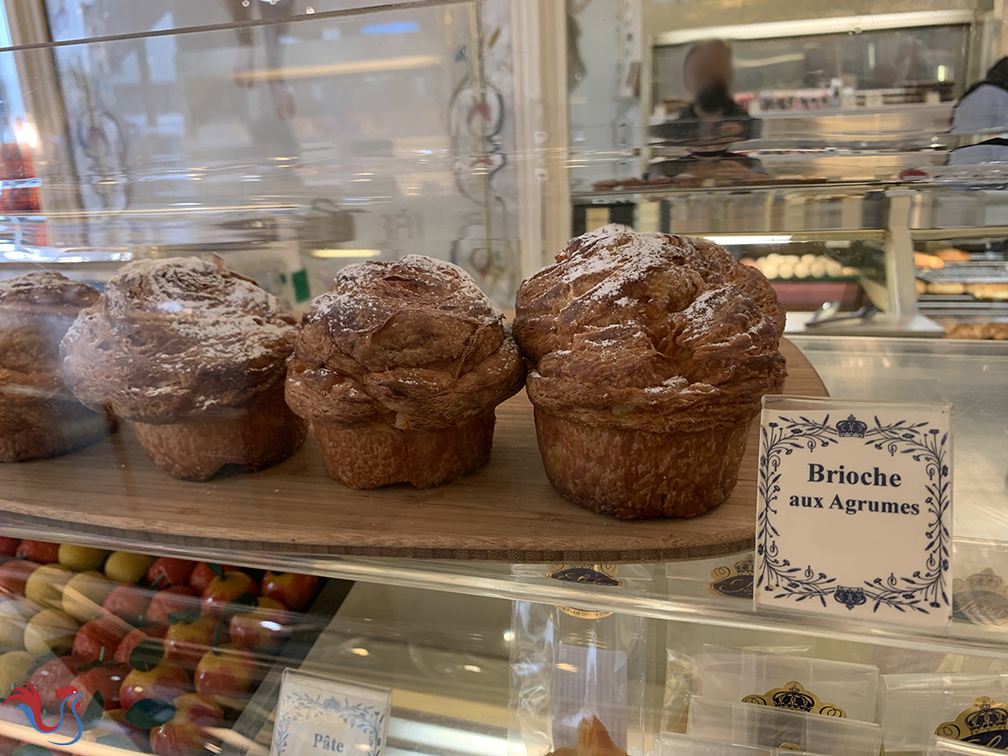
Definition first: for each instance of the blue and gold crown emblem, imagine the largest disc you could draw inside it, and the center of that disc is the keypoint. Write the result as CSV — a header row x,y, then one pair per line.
x,y
587,574
794,697
851,427
735,581
988,716
985,723
596,574
980,599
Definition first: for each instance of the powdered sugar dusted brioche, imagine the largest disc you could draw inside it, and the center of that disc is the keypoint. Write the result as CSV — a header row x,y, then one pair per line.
x,y
400,367
649,331
171,339
39,417
649,355
36,309
412,343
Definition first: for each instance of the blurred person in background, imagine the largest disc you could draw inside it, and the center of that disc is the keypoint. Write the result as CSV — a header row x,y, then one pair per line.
x,y
983,110
712,122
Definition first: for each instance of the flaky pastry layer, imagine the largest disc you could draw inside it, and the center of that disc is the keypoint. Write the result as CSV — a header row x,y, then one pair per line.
x,y
649,331
172,339
412,343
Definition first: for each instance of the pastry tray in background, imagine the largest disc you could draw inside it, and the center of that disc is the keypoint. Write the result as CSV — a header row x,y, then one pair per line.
x,y
966,273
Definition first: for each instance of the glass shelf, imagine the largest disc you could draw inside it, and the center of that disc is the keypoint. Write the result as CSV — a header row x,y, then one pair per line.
x,y
881,369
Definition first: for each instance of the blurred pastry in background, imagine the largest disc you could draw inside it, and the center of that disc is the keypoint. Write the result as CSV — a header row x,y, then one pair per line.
x,y
948,288
953,255
988,290
923,260
39,417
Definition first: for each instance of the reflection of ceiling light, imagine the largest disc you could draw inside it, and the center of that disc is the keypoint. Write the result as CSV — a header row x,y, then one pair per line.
x,y
565,667
730,241
346,252
508,636
394,27
359,651
427,738
26,134
378,65
471,668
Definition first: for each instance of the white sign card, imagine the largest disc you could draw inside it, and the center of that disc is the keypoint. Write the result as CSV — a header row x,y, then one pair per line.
x,y
318,715
854,509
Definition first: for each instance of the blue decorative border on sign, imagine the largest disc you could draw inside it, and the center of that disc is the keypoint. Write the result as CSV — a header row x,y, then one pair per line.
x,y
921,591
300,707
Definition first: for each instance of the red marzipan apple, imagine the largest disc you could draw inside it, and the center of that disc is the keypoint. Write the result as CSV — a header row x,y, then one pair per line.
x,y
168,571
104,633
263,629
9,546
54,674
181,735
178,598
199,709
291,589
38,551
164,682
14,575
222,591
129,602
135,638
225,671
202,576
186,642
107,680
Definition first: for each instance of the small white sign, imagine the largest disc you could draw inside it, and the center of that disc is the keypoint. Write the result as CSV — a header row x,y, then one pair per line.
x,y
854,509
318,716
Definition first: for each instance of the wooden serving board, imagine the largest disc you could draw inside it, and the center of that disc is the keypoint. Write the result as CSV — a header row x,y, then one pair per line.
x,y
507,511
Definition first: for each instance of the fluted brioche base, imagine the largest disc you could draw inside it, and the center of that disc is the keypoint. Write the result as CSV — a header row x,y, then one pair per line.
x,y
632,474
376,455
45,428
263,434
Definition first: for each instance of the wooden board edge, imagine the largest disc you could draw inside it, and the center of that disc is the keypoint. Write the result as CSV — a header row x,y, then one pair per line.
x,y
210,547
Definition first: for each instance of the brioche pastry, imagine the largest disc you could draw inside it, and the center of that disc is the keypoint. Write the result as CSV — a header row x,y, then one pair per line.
x,y
953,255
194,356
39,417
399,369
988,290
932,262
993,331
947,287
648,356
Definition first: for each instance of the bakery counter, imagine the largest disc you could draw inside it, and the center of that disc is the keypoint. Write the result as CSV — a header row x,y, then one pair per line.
x,y
971,375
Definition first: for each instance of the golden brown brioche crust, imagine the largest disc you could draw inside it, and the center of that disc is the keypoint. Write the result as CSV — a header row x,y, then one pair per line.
x,y
173,339
249,438
632,474
39,417
36,309
413,344
377,454
649,332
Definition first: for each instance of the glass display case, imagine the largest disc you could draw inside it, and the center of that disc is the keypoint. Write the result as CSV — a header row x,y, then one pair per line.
x,y
827,124
154,610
